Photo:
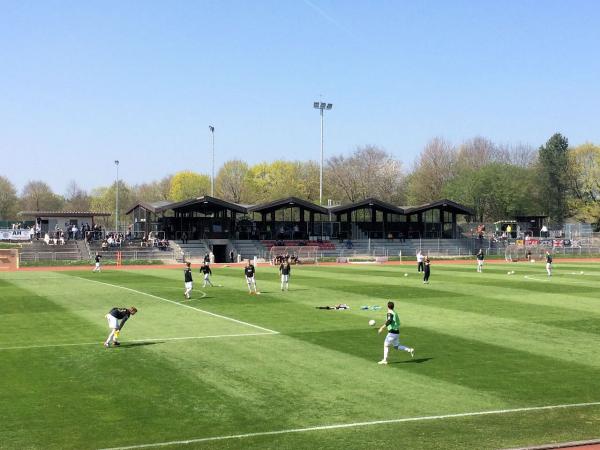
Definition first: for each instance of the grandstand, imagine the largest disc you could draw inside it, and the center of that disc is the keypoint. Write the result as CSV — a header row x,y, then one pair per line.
x,y
40,251
131,250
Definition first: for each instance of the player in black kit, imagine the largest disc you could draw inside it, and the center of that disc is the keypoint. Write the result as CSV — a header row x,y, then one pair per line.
x,y
285,271
249,272
205,269
113,318
97,267
187,274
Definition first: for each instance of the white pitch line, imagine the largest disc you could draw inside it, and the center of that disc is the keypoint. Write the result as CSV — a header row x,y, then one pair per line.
x,y
547,279
356,424
158,340
181,304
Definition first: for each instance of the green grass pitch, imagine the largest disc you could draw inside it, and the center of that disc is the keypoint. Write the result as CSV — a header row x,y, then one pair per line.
x,y
234,371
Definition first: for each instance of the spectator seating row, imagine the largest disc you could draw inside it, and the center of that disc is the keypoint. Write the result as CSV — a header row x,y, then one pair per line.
x,y
324,245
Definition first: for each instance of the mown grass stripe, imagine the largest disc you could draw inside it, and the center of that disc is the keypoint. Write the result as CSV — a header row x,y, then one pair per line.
x,y
357,424
181,304
148,340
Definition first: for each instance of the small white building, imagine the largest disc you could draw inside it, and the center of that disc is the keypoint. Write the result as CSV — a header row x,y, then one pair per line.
x,y
49,221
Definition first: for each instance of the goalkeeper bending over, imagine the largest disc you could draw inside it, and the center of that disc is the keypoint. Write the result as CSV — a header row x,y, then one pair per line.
x,y
113,318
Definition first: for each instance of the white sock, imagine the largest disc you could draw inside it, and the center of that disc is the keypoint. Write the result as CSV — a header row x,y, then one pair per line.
x,y
385,352
110,337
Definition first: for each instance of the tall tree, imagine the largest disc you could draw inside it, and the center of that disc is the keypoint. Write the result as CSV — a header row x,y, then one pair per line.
x,y
8,199
76,199
553,163
38,196
496,191
307,179
231,182
521,155
479,152
434,168
153,191
269,181
188,184
585,183
104,199
368,172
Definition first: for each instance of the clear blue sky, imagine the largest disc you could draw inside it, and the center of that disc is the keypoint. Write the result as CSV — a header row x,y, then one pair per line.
x,y
85,83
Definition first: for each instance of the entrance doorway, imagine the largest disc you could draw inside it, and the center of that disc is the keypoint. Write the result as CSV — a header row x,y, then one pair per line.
x,y
220,252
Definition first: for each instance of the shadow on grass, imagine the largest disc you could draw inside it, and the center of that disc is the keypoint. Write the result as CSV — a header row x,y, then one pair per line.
x,y
412,361
139,344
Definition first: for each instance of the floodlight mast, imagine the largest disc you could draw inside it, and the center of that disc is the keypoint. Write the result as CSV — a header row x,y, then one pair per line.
x,y
212,178
321,106
117,199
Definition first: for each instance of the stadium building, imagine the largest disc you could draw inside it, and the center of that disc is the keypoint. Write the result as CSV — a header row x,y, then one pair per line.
x,y
293,218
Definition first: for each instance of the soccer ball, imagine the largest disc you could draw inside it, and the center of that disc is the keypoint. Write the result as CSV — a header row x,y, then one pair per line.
x,y
257,293
405,274
508,273
371,322
512,272
533,260
581,273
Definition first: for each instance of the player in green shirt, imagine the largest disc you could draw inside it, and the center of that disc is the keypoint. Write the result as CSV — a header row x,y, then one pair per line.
x,y
392,339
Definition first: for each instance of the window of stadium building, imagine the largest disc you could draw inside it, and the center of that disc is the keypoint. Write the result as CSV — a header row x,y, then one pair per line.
x,y
361,215
396,218
431,216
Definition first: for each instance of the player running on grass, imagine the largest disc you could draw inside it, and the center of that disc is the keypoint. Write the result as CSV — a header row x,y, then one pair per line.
x,y
285,271
188,280
205,269
97,267
113,318
249,271
393,337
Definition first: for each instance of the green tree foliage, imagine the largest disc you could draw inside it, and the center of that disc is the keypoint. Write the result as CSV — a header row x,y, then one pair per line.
x,y
38,196
188,184
231,182
268,181
104,199
585,183
496,191
308,181
153,191
8,199
435,167
553,164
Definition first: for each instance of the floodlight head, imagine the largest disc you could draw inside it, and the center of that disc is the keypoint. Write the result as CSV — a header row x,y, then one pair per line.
x,y
316,105
116,162
329,105
322,105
